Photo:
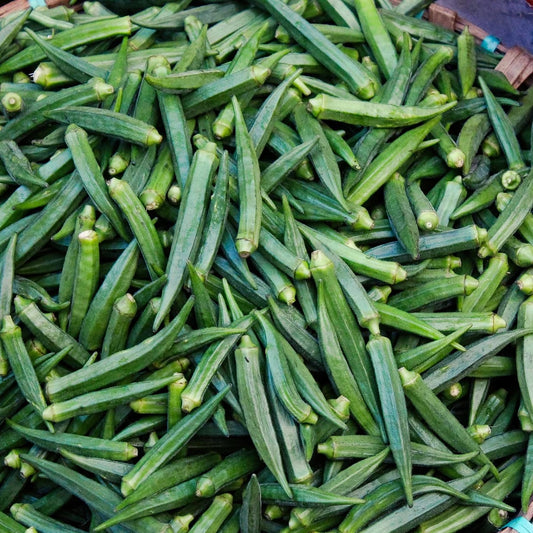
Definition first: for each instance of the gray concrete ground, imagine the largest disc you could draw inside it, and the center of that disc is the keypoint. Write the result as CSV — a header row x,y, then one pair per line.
x,y
509,20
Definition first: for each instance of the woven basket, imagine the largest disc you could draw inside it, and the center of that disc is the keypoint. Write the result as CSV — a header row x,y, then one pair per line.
x,y
516,64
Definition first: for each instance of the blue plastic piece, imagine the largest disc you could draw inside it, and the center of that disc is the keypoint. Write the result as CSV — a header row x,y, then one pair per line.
x,y
490,43
520,524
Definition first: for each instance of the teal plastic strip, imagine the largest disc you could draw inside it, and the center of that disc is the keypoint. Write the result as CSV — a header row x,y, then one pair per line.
x,y
37,3
520,524
490,43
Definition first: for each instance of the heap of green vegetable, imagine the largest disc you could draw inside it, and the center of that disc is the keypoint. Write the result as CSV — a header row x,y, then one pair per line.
x,y
264,267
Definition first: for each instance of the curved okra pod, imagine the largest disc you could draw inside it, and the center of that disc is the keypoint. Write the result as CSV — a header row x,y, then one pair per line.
x,y
90,446
321,155
338,369
170,444
92,178
93,91
210,362
85,280
460,516
26,514
305,496
115,285
172,474
389,161
99,496
358,78
53,337
392,400
248,175
432,292
466,60
7,271
457,365
41,197
382,498
372,114
510,219
505,133
400,214
32,291
524,354
21,364
361,263
280,374
285,164
180,82
427,72
221,91
18,166
439,418
425,356
110,470
33,237
292,448
141,225
256,409
69,39
489,281
268,114
103,399
426,216
344,483
286,260
120,364
107,122
348,333
73,66
470,137
231,468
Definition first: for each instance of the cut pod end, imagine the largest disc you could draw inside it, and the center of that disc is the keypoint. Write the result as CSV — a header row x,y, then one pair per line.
x,y
511,180
456,158
302,272
205,488
245,247
427,220
287,295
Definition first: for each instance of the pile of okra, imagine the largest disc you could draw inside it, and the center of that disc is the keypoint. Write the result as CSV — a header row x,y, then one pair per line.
x,y
265,267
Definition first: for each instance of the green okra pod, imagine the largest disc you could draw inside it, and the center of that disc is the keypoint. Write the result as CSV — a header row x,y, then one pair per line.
x,y
119,364
141,226
433,411
256,410
170,444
